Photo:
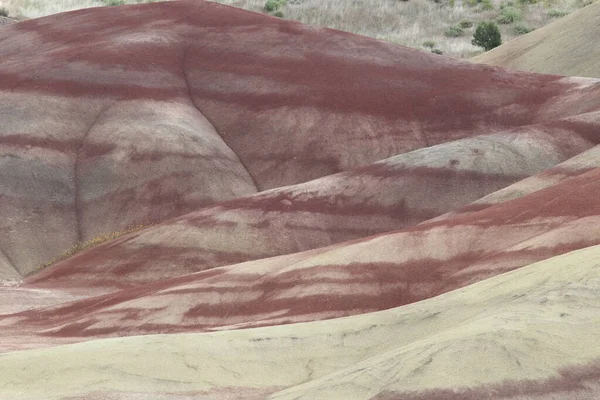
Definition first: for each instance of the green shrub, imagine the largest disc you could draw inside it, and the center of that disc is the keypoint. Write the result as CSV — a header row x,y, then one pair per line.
x,y
429,44
465,24
557,13
278,13
487,35
451,3
521,28
3,12
273,6
509,15
454,31
437,51
111,3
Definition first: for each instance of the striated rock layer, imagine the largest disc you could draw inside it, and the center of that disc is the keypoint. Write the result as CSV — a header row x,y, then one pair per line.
x,y
119,117
529,334
325,216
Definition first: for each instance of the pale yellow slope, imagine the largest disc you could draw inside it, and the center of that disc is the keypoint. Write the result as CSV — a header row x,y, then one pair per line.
x,y
568,46
526,324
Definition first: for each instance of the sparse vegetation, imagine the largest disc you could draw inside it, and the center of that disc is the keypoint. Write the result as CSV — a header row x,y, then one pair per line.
x,y
430,44
111,3
487,35
522,29
486,5
465,24
557,13
483,5
90,243
509,15
454,31
402,22
3,12
274,6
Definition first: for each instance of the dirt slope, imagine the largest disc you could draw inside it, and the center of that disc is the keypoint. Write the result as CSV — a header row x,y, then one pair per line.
x,y
367,275
386,196
336,217
568,46
529,334
118,117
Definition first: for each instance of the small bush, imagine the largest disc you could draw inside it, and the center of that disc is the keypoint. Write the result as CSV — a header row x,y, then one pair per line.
x,y
454,31
557,13
465,24
429,44
437,51
273,6
278,14
487,35
3,12
509,15
521,29
111,3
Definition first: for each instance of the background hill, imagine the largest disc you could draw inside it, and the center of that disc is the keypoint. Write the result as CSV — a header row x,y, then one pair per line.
x,y
568,46
411,23
108,129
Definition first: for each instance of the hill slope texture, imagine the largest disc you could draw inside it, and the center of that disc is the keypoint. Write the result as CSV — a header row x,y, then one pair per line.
x,y
568,46
295,213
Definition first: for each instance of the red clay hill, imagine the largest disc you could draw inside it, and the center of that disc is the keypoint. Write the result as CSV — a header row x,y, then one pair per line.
x,y
117,117
329,216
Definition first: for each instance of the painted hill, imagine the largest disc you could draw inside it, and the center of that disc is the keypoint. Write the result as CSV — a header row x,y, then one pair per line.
x,y
399,192
529,334
568,46
174,112
330,216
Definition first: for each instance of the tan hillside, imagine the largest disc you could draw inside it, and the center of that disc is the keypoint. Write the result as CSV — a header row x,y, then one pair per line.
x,y
568,46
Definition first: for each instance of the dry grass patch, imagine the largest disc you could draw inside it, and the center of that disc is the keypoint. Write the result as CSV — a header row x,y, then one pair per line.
x,y
414,22
410,22
105,237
